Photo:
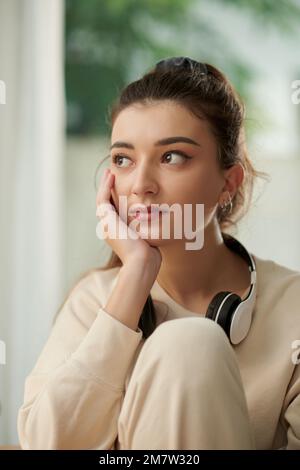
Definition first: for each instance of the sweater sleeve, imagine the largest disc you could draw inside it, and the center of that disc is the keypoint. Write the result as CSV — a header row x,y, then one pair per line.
x,y
291,414
73,395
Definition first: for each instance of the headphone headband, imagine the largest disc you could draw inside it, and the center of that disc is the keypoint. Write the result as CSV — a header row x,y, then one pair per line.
x,y
237,246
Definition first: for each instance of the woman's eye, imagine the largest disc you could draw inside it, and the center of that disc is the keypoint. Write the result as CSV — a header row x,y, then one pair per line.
x,y
116,159
178,154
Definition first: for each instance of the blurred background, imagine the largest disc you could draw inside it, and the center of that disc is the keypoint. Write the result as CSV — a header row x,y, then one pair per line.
x,y
62,63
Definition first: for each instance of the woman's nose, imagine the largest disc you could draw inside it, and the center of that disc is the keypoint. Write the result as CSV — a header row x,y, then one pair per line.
x,y
144,181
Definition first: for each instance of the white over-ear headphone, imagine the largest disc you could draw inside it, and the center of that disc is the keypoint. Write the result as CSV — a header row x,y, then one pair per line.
x,y
232,313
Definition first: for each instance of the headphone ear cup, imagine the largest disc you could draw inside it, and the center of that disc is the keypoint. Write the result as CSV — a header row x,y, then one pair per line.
x,y
214,305
228,308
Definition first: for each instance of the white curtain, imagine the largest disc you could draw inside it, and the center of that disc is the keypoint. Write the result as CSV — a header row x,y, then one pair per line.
x,y
32,269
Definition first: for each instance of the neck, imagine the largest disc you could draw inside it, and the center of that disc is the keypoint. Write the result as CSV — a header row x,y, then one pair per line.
x,y
202,272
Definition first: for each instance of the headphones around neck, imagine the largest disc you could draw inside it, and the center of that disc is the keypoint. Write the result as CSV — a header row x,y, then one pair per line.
x,y
227,309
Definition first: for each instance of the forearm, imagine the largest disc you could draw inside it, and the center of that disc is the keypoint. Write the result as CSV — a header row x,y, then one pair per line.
x,y
130,293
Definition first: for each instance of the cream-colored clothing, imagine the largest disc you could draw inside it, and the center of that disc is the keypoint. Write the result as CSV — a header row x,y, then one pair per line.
x,y
77,390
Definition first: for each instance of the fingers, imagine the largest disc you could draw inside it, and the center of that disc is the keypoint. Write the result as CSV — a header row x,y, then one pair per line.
x,y
111,225
104,191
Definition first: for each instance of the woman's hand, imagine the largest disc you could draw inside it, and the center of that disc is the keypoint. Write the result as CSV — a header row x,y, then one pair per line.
x,y
130,248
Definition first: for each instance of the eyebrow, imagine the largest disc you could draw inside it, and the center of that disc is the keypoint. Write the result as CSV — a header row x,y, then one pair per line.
x,y
166,141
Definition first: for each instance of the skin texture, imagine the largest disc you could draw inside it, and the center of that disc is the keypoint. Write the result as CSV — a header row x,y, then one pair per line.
x,y
151,174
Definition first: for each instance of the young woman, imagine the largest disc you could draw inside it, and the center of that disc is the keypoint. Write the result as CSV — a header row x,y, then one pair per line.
x,y
165,347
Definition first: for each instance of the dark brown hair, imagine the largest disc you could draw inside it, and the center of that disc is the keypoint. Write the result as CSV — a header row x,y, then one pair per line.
x,y
208,96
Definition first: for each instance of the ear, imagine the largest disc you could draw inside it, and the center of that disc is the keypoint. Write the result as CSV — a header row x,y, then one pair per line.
x,y
234,177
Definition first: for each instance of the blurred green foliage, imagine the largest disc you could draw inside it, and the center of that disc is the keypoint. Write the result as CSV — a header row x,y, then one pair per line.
x,y
112,42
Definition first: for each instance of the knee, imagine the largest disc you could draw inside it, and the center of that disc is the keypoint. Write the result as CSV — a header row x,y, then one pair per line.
x,y
186,352
199,338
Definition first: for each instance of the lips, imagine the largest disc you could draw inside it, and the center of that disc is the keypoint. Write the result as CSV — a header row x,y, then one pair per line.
x,y
145,210
148,215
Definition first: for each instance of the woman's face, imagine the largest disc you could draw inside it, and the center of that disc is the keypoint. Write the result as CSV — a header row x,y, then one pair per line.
x,y
149,172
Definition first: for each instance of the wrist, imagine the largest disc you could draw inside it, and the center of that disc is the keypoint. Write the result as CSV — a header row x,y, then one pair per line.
x,y
142,268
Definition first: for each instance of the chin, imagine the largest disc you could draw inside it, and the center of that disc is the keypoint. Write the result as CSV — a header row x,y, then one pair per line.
x,y
156,237
156,242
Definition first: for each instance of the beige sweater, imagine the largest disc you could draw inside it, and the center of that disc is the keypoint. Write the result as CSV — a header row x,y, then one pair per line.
x,y
74,393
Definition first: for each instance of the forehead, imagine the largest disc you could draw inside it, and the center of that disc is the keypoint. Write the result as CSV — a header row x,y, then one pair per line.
x,y
158,120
